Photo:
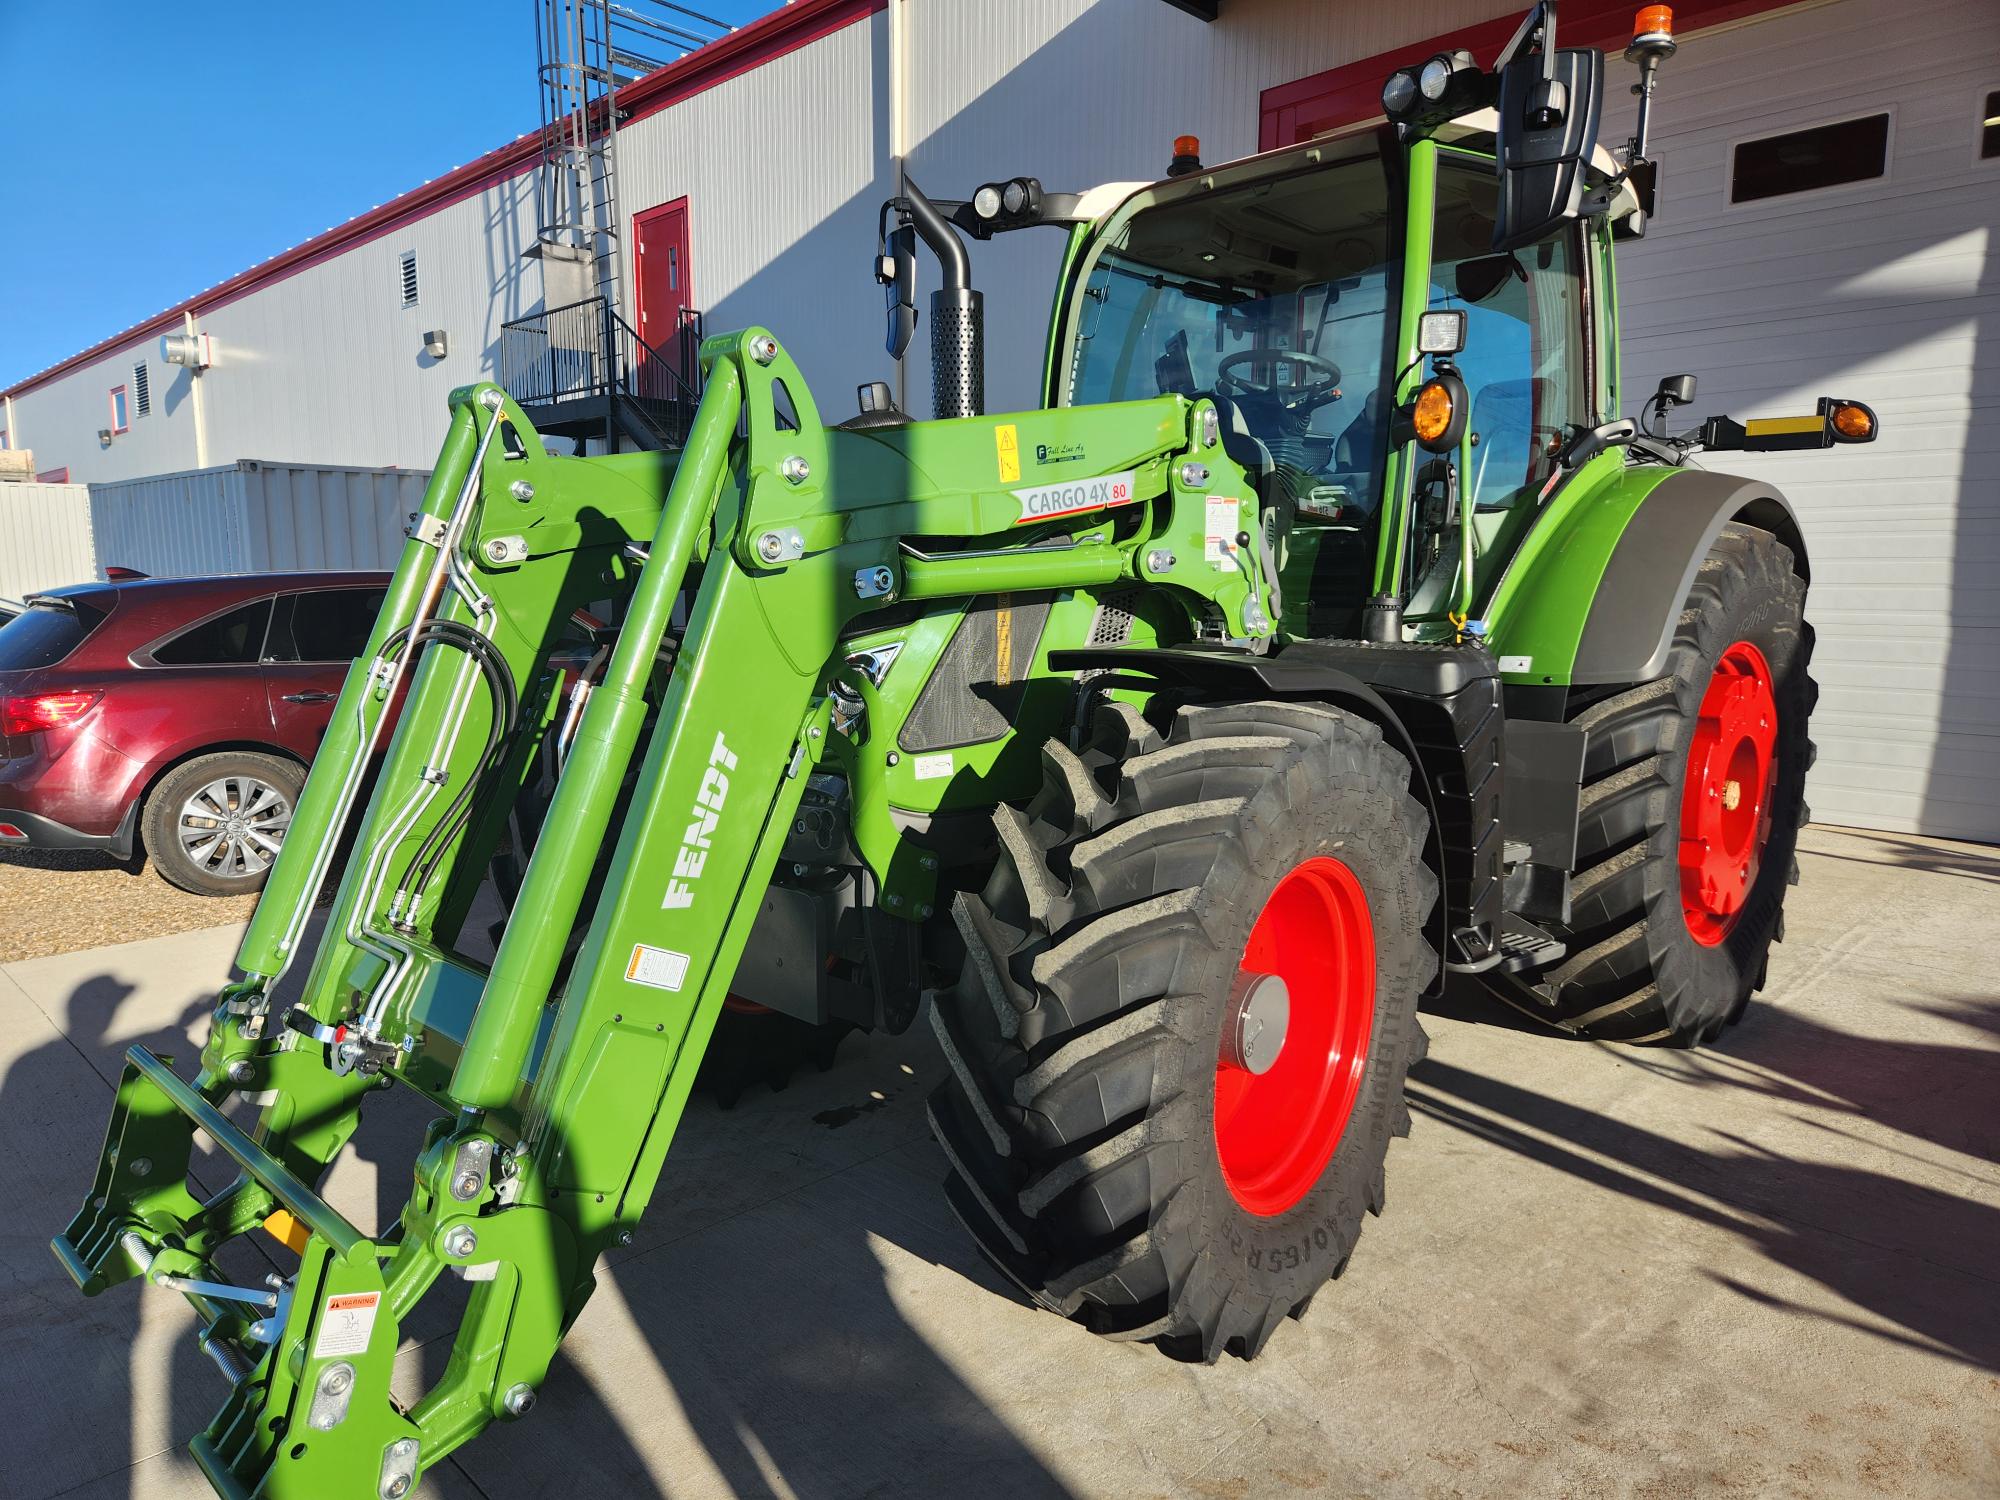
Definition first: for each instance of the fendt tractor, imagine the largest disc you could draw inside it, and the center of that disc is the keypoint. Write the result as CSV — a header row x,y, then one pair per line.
x,y
1325,632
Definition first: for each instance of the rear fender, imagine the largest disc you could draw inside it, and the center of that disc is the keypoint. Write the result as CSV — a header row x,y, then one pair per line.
x,y
1594,595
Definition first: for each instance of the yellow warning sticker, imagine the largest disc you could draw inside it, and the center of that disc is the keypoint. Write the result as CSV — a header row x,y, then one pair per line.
x,y
1008,441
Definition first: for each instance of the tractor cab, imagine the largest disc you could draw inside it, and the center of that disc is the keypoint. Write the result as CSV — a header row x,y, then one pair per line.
x,y
1291,290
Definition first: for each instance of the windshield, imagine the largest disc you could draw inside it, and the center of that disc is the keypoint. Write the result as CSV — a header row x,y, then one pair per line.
x,y
1276,298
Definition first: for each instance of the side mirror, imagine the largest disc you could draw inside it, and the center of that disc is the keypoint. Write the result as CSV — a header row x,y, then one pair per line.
x,y
1675,390
896,269
1483,275
1549,108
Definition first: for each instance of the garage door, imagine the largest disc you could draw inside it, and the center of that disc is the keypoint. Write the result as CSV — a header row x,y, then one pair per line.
x,y
1775,281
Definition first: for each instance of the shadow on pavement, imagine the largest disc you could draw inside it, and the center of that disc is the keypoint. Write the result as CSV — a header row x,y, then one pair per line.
x,y
1908,1253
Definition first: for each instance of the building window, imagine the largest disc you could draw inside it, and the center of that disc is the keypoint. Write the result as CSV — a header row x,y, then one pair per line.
x,y
121,413
1989,128
1801,160
142,390
409,278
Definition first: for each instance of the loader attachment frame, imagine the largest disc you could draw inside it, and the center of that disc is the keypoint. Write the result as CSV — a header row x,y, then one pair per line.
x,y
563,1068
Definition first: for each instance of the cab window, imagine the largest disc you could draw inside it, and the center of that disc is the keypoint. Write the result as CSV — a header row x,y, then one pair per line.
x,y
1523,357
1276,299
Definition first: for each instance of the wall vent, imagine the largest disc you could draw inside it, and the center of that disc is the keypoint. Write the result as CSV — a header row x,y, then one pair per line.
x,y
409,278
142,390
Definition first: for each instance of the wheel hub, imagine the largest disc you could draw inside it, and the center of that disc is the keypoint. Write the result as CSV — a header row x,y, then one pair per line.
x,y
1260,1008
1727,794
1295,1037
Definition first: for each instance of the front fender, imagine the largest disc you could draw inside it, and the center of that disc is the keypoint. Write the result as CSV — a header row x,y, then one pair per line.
x,y
1595,592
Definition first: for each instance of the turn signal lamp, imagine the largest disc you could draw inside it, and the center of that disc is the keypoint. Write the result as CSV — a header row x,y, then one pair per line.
x,y
43,711
1431,416
1851,422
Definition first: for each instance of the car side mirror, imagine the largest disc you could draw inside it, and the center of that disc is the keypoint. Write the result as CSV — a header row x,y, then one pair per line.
x,y
1549,109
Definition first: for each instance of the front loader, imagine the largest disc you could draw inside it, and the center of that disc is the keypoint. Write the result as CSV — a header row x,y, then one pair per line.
x,y
1322,632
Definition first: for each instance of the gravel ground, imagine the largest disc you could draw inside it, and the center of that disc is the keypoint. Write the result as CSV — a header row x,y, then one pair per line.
x,y
55,901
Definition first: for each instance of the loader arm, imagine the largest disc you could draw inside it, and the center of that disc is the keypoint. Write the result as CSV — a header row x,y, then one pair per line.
x,y
563,1068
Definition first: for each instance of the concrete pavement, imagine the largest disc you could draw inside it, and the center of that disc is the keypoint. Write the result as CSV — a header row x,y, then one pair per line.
x,y
1768,1269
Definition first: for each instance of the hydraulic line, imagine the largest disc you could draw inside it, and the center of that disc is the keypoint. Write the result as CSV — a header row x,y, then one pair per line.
x,y
505,720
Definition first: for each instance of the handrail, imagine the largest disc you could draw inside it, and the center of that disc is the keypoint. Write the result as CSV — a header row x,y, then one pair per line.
x,y
585,349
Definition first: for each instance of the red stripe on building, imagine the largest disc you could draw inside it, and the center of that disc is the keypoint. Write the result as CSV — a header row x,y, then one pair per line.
x,y
1298,111
786,30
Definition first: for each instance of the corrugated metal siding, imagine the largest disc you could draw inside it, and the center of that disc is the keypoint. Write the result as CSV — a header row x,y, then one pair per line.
x,y
1078,92
44,537
1885,292
256,517
329,518
326,366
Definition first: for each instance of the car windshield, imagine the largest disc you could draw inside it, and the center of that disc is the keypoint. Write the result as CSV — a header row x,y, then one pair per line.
x,y
1274,298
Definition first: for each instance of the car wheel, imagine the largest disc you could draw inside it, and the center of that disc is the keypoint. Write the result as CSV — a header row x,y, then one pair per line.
x,y
214,825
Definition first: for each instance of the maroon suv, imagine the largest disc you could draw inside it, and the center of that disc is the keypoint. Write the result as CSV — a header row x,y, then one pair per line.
x,y
174,714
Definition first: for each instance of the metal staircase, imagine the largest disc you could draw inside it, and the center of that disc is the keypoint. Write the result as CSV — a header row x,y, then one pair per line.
x,y
585,51
582,372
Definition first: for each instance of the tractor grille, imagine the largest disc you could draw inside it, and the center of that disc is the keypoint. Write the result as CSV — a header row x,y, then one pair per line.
x,y
975,691
1112,624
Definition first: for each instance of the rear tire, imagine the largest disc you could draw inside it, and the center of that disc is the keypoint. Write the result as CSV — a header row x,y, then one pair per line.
x,y
1653,956
1080,1117
251,796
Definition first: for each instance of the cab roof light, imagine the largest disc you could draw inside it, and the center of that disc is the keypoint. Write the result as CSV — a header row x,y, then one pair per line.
x,y
1187,156
1652,32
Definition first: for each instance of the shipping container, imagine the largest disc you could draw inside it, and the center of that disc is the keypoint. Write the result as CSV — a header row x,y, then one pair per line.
x,y
44,537
254,517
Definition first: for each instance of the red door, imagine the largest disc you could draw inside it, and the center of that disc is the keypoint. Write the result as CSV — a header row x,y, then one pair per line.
x,y
660,236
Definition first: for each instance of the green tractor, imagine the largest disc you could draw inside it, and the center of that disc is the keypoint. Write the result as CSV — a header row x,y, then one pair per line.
x,y
1322,634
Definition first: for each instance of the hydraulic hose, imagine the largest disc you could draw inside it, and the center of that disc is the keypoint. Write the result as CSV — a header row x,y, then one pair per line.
x,y
505,720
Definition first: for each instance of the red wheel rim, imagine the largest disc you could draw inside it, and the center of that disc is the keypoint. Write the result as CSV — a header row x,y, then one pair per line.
x,y
1726,798
1275,1131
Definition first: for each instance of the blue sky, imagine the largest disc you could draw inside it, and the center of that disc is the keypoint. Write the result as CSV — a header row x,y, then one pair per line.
x,y
156,149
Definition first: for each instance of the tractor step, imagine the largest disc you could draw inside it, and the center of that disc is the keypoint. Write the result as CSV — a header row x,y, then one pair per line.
x,y
1524,947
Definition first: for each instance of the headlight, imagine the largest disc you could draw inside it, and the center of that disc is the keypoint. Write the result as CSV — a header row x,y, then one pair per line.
x,y
1014,197
986,202
1434,78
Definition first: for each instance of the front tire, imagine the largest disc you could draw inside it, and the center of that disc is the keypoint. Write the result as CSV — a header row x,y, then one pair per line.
x,y
1694,794
1118,1143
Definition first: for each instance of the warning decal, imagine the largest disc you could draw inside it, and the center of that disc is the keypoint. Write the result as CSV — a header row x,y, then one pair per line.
x,y
1008,441
346,1324
1046,500
658,968
1225,522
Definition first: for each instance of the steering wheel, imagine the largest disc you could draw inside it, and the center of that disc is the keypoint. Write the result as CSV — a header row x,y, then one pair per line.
x,y
1295,400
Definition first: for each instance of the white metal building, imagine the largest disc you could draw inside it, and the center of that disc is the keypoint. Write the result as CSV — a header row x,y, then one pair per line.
x,y
1830,203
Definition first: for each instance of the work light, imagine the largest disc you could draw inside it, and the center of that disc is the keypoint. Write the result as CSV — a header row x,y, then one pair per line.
x,y
1399,93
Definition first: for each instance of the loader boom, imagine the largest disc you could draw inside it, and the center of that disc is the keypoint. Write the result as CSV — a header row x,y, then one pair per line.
x,y
564,1068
